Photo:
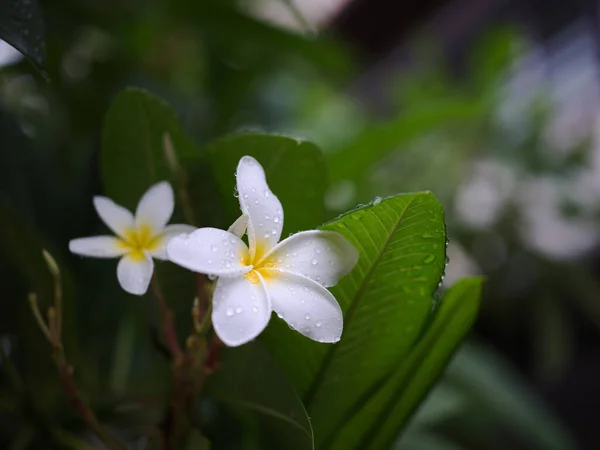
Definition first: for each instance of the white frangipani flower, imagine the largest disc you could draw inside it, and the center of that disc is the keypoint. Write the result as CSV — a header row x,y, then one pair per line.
x,y
138,238
289,277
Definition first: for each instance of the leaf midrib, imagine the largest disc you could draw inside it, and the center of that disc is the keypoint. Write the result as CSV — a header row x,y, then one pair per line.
x,y
327,360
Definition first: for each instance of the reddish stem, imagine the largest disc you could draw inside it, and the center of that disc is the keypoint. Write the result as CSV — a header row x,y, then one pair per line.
x,y
169,332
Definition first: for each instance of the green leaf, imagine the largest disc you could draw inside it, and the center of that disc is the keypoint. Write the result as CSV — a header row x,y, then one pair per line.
x,y
22,26
392,406
133,153
387,301
295,172
252,385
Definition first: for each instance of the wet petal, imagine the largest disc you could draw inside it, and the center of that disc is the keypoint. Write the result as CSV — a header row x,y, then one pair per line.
x,y
134,274
97,246
209,251
170,231
323,256
155,207
239,226
305,305
241,310
265,215
117,218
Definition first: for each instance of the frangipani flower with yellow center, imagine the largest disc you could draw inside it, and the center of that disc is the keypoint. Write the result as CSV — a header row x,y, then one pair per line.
x,y
289,277
138,239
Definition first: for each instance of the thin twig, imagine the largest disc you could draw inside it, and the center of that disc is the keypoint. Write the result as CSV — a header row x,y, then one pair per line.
x,y
38,316
52,330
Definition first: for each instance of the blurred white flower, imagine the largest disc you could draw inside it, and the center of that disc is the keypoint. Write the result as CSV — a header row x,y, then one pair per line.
x,y
289,277
138,239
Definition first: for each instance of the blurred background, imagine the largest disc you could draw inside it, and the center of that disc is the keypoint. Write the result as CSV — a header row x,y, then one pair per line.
x,y
491,104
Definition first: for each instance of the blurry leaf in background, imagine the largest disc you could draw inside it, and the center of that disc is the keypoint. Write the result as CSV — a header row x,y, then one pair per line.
x,y
22,26
387,300
500,399
379,140
295,171
133,146
255,388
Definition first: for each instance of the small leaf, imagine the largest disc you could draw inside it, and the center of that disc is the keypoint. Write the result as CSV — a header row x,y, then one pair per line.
x,y
387,301
295,172
255,388
22,26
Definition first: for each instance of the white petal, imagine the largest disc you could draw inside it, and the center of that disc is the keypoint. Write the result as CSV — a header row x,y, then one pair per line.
x,y
323,256
241,310
265,216
209,251
239,226
134,274
155,207
117,218
305,305
170,231
97,246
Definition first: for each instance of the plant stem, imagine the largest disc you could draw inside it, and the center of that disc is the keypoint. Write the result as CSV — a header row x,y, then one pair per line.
x,y
168,325
65,373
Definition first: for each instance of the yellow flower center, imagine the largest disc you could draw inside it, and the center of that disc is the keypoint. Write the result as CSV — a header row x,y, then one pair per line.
x,y
138,239
259,266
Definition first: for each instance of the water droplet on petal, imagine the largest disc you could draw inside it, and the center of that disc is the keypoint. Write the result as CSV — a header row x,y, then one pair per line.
x,y
318,323
317,250
267,217
239,309
267,234
229,312
276,219
307,317
314,261
214,248
266,192
231,253
280,315
232,239
254,308
245,195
